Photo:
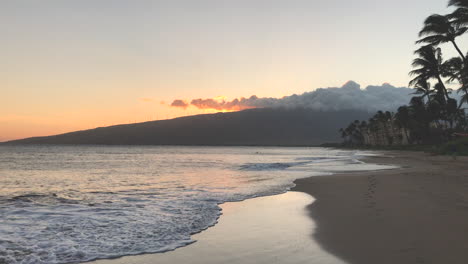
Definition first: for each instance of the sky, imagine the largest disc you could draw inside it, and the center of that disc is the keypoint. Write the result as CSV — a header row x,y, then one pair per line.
x,y
72,65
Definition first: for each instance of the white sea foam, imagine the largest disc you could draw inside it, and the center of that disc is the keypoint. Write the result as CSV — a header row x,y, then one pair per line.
x,y
74,204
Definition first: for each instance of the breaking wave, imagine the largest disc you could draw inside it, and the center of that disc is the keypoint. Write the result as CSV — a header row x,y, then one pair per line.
x,y
76,204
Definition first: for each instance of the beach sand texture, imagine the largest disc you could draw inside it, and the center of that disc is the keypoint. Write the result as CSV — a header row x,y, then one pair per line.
x,y
264,230
415,214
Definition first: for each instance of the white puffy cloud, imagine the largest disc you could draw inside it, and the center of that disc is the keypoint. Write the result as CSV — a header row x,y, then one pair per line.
x,y
348,97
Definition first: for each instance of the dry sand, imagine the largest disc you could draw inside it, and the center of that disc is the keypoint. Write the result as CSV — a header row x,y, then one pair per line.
x,y
416,214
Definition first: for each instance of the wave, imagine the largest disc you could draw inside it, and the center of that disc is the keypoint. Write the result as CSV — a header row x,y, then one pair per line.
x,y
140,201
301,161
268,166
40,199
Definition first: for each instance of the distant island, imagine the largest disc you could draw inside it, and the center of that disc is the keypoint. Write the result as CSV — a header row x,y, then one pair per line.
x,y
259,127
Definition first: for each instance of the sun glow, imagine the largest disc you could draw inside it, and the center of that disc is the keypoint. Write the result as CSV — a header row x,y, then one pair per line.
x,y
220,98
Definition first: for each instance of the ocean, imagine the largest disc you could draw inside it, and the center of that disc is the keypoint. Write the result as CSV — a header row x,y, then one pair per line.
x,y
67,204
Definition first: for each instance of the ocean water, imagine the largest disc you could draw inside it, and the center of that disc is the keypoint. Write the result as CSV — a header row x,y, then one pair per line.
x,y
67,204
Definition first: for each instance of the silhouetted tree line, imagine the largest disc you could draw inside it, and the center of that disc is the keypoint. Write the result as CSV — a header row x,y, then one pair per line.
x,y
432,115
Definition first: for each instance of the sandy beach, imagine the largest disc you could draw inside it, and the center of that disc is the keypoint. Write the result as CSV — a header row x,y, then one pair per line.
x,y
263,230
237,132
415,214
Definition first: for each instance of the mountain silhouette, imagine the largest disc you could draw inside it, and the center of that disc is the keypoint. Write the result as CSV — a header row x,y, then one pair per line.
x,y
259,127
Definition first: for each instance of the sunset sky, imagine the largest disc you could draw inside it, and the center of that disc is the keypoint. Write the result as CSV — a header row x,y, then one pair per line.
x,y
69,65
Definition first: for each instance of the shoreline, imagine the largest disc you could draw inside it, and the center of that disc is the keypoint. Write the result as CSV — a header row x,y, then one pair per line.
x,y
417,213
261,230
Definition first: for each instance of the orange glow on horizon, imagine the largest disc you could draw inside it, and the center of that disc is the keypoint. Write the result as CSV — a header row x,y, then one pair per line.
x,y
35,125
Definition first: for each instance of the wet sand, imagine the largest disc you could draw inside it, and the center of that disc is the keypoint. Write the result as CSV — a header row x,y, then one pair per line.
x,y
416,214
264,230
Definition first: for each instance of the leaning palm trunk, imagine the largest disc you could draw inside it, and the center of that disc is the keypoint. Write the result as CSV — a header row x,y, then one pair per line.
x,y
443,87
459,51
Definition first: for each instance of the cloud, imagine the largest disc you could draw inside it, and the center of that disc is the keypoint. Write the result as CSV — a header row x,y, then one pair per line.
x,y
180,103
348,97
234,105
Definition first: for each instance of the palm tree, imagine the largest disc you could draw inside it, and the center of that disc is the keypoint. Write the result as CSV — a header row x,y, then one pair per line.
x,y
423,88
383,118
402,116
434,113
459,16
459,3
350,132
440,94
363,129
457,70
439,29
454,70
452,111
373,128
403,120
429,65
420,119
390,130
358,137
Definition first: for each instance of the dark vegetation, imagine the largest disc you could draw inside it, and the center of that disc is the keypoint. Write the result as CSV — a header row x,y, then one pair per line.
x,y
433,119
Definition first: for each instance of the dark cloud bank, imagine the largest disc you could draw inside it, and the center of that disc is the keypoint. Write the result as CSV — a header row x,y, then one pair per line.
x,y
308,119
